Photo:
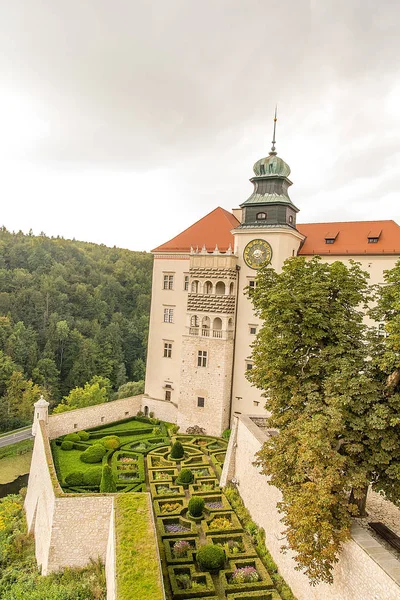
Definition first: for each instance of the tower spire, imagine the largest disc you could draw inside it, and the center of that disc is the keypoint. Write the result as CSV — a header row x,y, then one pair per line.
x,y
273,152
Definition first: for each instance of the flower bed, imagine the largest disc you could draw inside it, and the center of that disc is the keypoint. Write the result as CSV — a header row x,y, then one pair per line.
x,y
175,526
221,522
186,582
236,545
245,575
216,502
204,487
157,475
171,506
178,552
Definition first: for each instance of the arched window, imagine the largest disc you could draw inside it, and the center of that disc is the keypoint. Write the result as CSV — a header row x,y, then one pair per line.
x,y
217,324
261,216
208,286
206,322
146,411
195,287
230,324
291,219
231,288
220,288
194,321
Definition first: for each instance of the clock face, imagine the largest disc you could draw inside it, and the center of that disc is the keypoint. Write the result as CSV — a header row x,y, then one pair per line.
x,y
256,253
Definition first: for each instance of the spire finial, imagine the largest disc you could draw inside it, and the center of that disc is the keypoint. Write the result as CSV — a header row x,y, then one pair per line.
x,y
273,152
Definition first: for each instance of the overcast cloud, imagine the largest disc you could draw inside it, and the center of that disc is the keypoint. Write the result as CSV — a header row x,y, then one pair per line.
x,y
124,121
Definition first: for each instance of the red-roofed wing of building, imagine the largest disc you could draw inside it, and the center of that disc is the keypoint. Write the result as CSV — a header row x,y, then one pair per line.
x,y
212,230
353,237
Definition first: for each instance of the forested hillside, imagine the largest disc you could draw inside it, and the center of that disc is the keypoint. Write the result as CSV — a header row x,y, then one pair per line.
x,y
69,311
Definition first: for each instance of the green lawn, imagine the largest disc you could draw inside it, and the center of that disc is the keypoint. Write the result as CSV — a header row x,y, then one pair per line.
x,y
24,447
127,425
137,566
69,461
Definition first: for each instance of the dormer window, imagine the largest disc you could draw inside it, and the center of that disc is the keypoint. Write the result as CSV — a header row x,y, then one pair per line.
x,y
261,216
373,237
331,236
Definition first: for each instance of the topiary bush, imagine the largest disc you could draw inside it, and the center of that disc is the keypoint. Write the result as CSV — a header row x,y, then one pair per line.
x,y
74,478
185,477
84,435
196,506
177,451
211,557
67,445
92,476
107,484
93,454
111,442
72,437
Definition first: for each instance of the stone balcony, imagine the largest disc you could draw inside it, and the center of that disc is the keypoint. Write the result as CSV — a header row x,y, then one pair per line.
x,y
211,333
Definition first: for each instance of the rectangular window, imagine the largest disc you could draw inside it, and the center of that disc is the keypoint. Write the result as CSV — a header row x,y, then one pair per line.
x,y
168,391
167,350
252,284
168,282
186,283
202,358
249,366
200,402
253,330
255,403
168,315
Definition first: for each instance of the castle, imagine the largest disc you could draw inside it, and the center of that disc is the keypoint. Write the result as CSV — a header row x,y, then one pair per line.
x,y
202,323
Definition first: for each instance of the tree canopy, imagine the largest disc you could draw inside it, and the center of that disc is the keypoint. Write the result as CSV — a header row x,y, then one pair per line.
x,y
338,427
69,311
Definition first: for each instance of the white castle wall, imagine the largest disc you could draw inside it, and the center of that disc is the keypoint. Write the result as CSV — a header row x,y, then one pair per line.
x,y
357,576
111,577
68,530
93,416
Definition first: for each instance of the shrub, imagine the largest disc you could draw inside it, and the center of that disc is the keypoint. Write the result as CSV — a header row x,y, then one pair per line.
x,y
157,431
181,548
196,506
226,434
185,477
84,435
111,442
74,478
67,445
211,557
177,450
245,575
93,454
72,437
107,484
92,476
173,429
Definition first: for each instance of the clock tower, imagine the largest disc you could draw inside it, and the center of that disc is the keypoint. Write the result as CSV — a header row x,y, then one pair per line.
x,y
267,233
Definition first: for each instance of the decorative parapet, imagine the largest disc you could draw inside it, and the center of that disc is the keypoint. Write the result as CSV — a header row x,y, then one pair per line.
x,y
212,303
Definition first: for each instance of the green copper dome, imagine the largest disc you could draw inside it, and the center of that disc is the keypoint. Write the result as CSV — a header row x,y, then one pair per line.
x,y
271,165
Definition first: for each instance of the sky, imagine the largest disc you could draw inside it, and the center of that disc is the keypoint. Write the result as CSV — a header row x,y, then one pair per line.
x,y
122,122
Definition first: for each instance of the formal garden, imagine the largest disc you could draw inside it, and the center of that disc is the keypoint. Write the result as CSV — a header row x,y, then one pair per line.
x,y
208,544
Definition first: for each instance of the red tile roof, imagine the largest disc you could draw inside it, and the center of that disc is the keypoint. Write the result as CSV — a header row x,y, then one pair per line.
x,y
352,238
213,229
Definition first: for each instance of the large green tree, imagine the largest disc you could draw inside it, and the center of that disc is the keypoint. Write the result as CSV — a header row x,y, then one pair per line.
x,y
336,432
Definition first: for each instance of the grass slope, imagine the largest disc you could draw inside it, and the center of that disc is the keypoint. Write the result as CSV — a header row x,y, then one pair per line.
x,y
138,572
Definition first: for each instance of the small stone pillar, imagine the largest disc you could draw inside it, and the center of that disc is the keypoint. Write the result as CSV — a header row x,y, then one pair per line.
x,y
41,414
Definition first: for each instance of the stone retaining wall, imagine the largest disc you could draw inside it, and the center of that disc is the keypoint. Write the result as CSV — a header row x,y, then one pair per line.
x,y
357,576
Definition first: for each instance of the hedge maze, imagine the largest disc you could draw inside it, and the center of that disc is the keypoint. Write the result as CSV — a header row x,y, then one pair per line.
x,y
191,512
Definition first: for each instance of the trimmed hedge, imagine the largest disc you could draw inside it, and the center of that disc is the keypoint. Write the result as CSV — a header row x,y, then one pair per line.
x,y
93,454
264,582
72,437
110,442
204,586
210,557
177,451
196,506
107,484
67,445
92,476
84,435
185,477
74,478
